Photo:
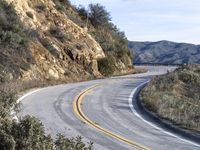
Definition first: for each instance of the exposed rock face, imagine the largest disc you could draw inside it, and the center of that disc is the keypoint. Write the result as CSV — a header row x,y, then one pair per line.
x,y
61,49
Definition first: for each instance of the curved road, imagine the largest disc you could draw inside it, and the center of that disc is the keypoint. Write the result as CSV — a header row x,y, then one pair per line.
x,y
101,114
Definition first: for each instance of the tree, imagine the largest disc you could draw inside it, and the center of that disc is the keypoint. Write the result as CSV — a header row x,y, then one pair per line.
x,y
30,134
106,65
98,15
63,143
82,12
67,2
7,101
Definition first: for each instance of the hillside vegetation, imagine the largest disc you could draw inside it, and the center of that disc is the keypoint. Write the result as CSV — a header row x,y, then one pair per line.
x,y
165,52
112,40
176,96
53,40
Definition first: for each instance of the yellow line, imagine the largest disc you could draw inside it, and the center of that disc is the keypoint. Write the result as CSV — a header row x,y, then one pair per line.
x,y
78,111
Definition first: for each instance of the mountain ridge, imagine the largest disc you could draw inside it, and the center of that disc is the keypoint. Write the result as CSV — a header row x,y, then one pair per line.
x,y
165,52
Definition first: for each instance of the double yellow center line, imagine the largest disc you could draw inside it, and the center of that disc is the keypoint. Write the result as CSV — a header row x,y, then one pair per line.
x,y
78,111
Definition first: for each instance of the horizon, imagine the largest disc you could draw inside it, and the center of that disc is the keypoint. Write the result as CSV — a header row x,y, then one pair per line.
x,y
166,41
153,20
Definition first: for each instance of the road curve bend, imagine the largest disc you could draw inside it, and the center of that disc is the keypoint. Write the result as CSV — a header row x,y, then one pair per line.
x,y
99,110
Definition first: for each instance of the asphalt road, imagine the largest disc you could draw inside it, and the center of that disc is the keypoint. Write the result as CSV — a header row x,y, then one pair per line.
x,y
101,114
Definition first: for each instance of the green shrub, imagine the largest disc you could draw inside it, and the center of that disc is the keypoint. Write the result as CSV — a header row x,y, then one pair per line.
x,y
79,46
24,65
189,77
45,42
3,75
106,66
98,15
7,141
30,134
14,39
29,14
7,101
57,33
69,36
59,7
12,32
63,143
3,21
82,12
41,7
66,2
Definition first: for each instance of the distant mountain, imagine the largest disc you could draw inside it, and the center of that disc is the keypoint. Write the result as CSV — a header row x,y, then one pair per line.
x,y
165,52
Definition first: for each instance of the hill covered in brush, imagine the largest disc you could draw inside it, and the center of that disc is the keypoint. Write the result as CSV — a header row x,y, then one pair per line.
x,y
165,52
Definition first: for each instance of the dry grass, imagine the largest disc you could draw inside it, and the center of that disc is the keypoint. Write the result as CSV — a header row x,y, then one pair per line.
x,y
20,86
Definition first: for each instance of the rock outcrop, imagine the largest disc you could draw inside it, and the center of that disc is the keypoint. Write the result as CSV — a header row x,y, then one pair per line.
x,y
49,40
61,49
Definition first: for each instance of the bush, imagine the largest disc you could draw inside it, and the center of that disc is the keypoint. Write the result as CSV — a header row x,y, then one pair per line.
x,y
3,75
29,14
98,15
12,32
7,101
79,46
189,77
82,12
45,42
57,33
106,66
7,141
59,7
30,134
3,21
41,7
63,143
69,36
49,46
66,2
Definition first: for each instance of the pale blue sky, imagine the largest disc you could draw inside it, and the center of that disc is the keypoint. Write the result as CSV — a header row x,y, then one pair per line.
x,y
153,20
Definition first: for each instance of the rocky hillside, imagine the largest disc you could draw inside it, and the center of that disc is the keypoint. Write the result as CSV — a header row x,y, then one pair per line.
x,y
40,39
165,52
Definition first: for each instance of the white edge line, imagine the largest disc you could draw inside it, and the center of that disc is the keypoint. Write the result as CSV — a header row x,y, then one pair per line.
x,y
28,94
150,123
20,99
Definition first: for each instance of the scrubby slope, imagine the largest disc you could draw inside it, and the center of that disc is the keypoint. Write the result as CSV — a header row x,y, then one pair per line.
x,y
176,96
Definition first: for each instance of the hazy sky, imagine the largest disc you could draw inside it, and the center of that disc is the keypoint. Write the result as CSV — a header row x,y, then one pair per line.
x,y
153,20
